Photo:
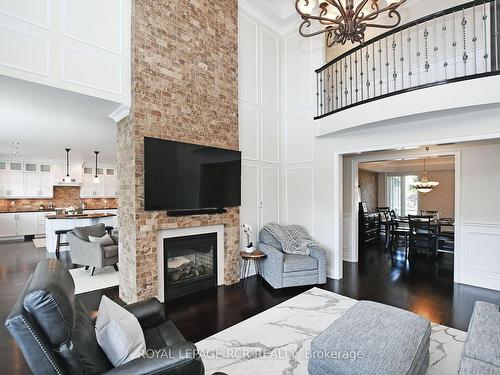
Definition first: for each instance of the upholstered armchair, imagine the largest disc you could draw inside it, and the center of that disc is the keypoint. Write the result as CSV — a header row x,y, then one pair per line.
x,y
283,270
91,254
57,336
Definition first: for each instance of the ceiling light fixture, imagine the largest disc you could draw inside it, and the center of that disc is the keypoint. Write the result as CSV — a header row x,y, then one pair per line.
x,y
96,178
67,179
425,186
345,20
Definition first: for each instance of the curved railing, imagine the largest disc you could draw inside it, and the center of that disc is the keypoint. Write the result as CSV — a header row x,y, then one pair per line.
x,y
452,45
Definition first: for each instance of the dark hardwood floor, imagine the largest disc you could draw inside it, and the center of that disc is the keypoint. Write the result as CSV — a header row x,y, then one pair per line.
x,y
419,286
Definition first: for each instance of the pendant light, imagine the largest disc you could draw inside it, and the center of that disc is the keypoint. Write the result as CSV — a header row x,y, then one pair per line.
x,y
96,177
425,186
67,179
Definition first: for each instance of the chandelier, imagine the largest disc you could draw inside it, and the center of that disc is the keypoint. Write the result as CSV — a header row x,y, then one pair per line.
x,y
345,20
425,186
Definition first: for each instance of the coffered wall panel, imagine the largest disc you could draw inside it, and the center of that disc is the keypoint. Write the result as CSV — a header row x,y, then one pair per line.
x,y
269,52
259,120
35,12
77,45
25,52
106,26
249,131
248,59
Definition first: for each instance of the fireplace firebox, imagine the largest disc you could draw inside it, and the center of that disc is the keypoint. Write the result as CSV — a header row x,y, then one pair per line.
x,y
190,264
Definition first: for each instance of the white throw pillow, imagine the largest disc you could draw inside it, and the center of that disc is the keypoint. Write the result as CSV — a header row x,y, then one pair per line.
x,y
119,333
103,241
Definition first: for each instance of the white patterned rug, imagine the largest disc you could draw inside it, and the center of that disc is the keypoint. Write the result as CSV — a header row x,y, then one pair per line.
x,y
39,242
103,278
277,340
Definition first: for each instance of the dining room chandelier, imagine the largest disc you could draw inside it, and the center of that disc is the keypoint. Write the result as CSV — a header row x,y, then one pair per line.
x,y
343,20
425,186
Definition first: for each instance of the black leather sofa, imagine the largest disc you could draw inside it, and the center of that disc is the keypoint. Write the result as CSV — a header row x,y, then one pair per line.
x,y
57,335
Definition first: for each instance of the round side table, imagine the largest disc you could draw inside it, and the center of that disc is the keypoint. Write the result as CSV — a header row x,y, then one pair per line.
x,y
248,258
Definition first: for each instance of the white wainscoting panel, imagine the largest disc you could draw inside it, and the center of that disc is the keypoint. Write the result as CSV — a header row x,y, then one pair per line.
x,y
299,138
249,132
249,213
298,72
299,196
77,45
35,12
102,29
92,71
248,59
348,253
269,70
480,255
24,51
270,139
270,195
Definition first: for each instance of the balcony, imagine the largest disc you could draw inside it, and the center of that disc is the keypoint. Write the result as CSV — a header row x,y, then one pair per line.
x,y
451,46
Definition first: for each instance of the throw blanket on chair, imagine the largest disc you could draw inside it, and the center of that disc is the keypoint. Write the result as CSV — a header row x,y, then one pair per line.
x,y
294,239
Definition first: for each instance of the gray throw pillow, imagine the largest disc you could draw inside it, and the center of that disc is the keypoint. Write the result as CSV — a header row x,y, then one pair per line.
x,y
118,333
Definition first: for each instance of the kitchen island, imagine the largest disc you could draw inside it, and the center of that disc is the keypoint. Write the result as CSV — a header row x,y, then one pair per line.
x,y
68,222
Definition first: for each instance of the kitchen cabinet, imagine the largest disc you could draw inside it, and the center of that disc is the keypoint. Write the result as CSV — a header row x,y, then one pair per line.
x,y
4,183
26,180
22,223
8,225
16,184
106,188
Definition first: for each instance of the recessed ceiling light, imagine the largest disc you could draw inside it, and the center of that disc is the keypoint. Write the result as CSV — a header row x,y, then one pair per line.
x,y
410,148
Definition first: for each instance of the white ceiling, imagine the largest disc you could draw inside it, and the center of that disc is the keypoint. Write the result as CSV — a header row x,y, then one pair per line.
x,y
282,12
45,120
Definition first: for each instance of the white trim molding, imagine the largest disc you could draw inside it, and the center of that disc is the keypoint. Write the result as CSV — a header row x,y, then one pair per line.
x,y
120,113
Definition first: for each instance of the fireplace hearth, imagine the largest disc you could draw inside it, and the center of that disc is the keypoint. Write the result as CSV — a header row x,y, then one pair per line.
x,y
190,264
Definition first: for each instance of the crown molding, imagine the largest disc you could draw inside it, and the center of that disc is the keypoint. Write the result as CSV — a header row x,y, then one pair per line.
x,y
120,113
248,8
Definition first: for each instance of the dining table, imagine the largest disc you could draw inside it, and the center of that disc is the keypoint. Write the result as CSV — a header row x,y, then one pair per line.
x,y
436,224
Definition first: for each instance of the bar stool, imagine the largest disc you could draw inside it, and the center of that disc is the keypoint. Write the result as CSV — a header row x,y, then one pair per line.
x,y
59,243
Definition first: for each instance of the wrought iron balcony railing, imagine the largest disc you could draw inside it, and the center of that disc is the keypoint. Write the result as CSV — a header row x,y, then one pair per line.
x,y
453,45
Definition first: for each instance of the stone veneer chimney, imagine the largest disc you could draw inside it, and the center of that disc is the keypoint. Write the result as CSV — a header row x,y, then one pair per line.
x,y
184,88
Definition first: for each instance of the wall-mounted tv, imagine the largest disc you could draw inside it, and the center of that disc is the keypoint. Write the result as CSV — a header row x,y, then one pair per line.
x,y
184,176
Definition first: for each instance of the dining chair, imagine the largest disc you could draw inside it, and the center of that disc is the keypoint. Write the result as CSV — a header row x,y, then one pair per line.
x,y
422,237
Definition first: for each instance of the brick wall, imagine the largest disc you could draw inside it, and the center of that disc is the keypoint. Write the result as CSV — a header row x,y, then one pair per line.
x,y
64,196
185,88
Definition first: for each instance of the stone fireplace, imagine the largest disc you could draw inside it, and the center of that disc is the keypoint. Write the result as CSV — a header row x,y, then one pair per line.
x,y
183,89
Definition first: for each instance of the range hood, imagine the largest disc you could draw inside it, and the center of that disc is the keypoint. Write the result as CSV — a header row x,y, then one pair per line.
x,y
68,184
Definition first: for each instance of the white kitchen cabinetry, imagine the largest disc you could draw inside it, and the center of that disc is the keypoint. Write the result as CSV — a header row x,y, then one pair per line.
x,y
22,223
8,225
106,188
26,180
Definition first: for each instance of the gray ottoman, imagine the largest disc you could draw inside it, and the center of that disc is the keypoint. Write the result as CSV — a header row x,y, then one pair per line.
x,y
372,338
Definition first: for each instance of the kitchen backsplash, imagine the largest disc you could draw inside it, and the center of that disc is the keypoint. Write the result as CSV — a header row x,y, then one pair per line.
x,y
64,196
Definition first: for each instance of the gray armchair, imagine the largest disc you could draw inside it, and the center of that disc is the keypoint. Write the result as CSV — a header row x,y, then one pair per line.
x,y
283,270
90,254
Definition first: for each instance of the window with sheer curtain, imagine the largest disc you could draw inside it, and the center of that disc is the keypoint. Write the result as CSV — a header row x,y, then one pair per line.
x,y
401,196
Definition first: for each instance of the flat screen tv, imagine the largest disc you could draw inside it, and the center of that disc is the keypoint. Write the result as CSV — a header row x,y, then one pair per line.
x,y
183,176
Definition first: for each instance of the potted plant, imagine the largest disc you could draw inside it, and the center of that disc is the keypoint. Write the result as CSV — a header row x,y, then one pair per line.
x,y
247,229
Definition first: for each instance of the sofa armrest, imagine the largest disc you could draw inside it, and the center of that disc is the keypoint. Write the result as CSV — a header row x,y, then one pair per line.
x,y
272,265
149,313
115,238
319,254
176,359
83,252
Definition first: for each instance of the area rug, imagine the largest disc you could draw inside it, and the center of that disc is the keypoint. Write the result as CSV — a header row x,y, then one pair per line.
x,y
39,242
278,340
103,278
